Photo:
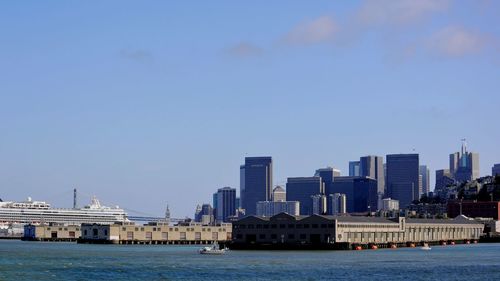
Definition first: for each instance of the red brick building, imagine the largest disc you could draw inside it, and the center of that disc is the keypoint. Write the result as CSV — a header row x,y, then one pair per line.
x,y
474,209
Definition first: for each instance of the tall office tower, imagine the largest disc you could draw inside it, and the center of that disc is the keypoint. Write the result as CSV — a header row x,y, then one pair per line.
x,y
279,194
226,203
360,193
271,208
373,167
420,184
318,204
301,189
495,170
214,203
242,185
197,213
444,178
238,205
426,182
464,165
354,168
257,182
204,214
337,204
402,178
327,175
454,162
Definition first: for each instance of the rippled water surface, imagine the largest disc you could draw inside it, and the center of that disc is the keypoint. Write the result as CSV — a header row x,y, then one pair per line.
x,y
69,261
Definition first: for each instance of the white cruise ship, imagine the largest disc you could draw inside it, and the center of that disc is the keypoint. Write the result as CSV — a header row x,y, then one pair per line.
x,y
36,212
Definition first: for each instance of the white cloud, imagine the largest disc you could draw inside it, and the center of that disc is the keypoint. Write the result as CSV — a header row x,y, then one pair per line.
x,y
456,41
319,30
244,49
398,11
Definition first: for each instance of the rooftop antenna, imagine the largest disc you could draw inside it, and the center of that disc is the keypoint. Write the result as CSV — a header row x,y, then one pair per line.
x,y
464,146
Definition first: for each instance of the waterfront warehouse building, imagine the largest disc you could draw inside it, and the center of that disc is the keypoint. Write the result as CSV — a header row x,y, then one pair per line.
x,y
256,182
342,232
154,233
51,232
403,178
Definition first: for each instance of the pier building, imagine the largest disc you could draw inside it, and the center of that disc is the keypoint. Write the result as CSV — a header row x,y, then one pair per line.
x,y
285,231
51,232
154,233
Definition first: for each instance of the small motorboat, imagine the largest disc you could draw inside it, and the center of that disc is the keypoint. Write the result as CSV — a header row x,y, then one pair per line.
x,y
212,250
426,247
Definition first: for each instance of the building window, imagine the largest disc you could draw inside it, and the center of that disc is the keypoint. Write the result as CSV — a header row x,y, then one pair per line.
x,y
282,226
106,232
183,236
291,226
266,226
323,226
197,236
215,236
291,236
273,226
330,225
306,226
314,225
149,235
130,235
251,226
274,236
164,235
259,226
299,225
303,236
94,232
262,236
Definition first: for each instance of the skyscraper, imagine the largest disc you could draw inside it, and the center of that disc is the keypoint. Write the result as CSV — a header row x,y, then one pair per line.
x,y
271,208
257,182
327,175
354,169
402,178
425,173
226,203
495,170
337,204
318,204
360,193
464,165
301,189
373,167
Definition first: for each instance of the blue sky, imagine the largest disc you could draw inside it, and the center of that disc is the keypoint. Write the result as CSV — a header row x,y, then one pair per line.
x,y
149,103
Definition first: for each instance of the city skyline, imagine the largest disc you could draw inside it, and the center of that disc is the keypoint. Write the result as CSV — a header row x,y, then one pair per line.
x,y
156,104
